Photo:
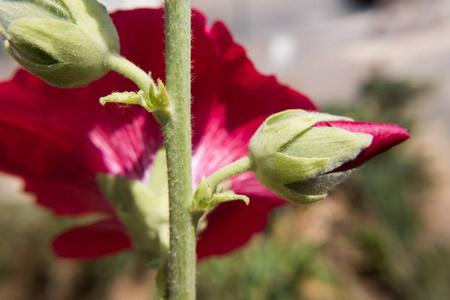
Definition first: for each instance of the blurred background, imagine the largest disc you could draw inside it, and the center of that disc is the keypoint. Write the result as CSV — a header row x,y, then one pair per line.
x,y
383,234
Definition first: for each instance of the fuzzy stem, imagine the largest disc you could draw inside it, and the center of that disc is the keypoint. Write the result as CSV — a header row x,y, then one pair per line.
x,y
177,136
239,166
121,65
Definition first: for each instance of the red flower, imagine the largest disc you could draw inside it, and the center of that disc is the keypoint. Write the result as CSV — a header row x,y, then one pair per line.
x,y
58,140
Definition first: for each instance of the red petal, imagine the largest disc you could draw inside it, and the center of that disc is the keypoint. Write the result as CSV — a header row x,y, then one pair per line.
x,y
385,136
141,33
92,241
232,224
69,197
247,94
59,139
223,76
219,146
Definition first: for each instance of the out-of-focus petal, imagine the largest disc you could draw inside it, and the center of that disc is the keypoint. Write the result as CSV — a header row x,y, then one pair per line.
x,y
92,241
231,225
248,94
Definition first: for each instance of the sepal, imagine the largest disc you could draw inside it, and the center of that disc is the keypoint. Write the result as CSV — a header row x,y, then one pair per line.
x,y
205,199
287,169
156,100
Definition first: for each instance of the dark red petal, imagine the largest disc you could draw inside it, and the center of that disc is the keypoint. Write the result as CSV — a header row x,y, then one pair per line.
x,y
141,33
232,224
384,135
69,197
247,94
92,241
60,138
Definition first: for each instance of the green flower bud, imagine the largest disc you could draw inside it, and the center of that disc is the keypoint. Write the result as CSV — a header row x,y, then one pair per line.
x,y
295,160
65,42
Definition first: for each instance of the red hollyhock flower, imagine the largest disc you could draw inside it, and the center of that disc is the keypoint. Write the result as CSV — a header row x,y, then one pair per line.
x,y
58,140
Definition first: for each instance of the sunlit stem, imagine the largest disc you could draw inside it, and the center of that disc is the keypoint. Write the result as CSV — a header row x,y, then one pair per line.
x,y
177,138
121,65
237,167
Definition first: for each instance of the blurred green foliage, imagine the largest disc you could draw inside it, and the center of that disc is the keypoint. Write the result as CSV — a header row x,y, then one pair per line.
x,y
268,269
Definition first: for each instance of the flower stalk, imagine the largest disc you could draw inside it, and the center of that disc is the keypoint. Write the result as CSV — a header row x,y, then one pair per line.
x,y
177,136
239,166
123,66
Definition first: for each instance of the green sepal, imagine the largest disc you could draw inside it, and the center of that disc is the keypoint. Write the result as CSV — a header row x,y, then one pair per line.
x,y
229,196
204,199
336,144
202,196
318,185
13,10
282,127
284,192
159,98
139,209
309,190
154,101
93,18
286,169
272,135
127,98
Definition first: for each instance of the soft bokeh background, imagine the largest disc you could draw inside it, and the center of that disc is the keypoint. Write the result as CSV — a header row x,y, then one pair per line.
x,y
381,235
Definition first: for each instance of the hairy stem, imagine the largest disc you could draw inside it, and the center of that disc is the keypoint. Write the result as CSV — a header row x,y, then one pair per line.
x,y
177,136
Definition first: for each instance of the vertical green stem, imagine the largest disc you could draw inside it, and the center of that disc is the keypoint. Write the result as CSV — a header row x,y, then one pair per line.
x,y
177,137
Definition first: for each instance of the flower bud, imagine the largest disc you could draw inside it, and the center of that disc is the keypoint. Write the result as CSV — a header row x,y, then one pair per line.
x,y
301,155
65,42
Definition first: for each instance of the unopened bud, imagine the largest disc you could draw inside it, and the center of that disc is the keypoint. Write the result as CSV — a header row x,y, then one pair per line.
x,y
65,42
301,155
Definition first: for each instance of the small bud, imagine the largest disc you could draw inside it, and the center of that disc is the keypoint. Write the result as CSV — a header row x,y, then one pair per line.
x,y
65,42
301,155
205,199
